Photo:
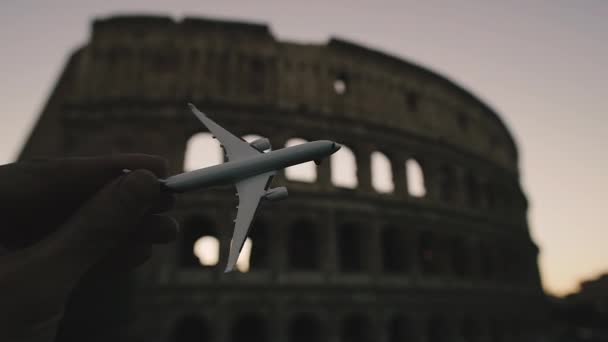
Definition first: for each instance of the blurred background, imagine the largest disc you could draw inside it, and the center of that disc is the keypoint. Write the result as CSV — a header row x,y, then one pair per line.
x,y
538,66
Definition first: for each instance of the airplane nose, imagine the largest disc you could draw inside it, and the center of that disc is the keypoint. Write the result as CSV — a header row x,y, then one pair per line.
x,y
335,147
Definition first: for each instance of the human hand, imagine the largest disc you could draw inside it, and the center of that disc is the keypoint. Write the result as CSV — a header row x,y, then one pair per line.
x,y
59,219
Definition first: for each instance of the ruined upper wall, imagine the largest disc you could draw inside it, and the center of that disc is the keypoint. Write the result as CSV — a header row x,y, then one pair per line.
x,y
232,64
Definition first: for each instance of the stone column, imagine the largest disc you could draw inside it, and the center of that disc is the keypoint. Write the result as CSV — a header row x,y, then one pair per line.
x,y
364,174
430,170
399,174
419,326
374,247
461,189
278,326
330,262
333,327
412,246
324,175
278,245
222,324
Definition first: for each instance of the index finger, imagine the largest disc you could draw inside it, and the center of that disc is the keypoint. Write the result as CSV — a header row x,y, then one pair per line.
x,y
36,196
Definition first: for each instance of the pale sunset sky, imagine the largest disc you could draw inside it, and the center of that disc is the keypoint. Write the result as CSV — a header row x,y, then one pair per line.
x,y
540,64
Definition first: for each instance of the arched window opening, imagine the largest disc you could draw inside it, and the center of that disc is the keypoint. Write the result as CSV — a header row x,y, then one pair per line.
x,y
259,258
351,252
437,330
495,331
490,195
341,84
199,245
473,190
192,328
508,263
411,101
207,250
470,330
243,262
382,174
202,150
415,178
463,121
400,329
394,252
305,327
500,198
256,75
486,260
427,253
447,184
306,172
303,251
344,168
251,328
460,258
357,328
513,329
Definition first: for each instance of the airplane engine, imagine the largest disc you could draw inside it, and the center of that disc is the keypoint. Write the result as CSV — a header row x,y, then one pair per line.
x,y
276,194
261,144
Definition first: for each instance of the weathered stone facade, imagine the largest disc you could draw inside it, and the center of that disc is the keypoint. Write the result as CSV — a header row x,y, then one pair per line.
x,y
455,263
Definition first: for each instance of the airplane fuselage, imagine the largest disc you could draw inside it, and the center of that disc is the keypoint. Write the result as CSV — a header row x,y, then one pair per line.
x,y
233,171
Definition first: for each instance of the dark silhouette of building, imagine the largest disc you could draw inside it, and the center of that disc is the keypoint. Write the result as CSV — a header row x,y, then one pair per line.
x,y
583,316
442,254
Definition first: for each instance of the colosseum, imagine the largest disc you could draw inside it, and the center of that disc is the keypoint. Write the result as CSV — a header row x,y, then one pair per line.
x,y
436,249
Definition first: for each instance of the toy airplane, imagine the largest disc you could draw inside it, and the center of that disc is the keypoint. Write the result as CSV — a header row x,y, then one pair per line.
x,y
251,170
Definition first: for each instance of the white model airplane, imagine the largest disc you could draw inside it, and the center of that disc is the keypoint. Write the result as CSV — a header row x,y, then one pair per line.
x,y
251,170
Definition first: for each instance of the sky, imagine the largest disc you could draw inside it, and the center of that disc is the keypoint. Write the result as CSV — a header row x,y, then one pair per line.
x,y
540,64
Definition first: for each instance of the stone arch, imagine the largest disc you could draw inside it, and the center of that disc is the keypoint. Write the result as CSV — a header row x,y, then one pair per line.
x,y
250,327
199,244
427,252
473,189
486,260
489,194
305,327
357,328
495,330
202,150
460,257
303,246
344,168
340,84
400,329
437,329
416,186
447,183
470,330
382,174
394,251
509,268
305,172
351,251
192,328
259,257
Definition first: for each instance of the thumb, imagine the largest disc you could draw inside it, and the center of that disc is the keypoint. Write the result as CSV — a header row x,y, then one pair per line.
x,y
102,223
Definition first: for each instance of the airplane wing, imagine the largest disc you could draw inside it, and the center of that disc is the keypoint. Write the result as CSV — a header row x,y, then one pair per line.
x,y
235,147
250,192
